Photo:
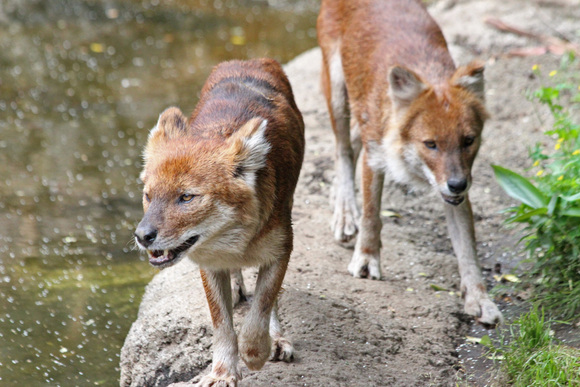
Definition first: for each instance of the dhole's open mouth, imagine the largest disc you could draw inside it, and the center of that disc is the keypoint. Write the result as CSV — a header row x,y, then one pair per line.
x,y
162,257
453,200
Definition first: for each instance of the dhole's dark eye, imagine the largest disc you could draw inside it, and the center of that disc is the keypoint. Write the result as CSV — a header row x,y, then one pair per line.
x,y
468,141
430,144
186,198
146,196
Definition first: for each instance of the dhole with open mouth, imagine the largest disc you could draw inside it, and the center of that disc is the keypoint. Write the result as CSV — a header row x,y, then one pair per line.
x,y
218,189
393,89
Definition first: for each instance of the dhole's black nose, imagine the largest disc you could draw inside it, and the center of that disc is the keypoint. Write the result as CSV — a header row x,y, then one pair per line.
x,y
457,186
146,235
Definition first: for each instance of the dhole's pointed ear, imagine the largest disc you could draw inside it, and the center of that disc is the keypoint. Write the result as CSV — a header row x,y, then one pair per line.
x,y
470,77
404,86
171,124
250,148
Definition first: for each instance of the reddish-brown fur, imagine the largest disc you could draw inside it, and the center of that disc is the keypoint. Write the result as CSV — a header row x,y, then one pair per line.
x,y
237,160
200,144
387,68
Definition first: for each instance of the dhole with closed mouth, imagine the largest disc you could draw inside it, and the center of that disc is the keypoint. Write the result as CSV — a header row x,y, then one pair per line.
x,y
393,89
218,189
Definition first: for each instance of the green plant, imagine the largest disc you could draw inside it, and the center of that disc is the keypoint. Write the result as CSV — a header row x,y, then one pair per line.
x,y
531,358
550,205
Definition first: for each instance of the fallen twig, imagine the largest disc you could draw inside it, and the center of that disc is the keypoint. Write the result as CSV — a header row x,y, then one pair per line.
x,y
551,44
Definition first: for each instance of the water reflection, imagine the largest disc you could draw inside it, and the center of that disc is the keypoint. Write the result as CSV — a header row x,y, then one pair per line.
x,y
80,84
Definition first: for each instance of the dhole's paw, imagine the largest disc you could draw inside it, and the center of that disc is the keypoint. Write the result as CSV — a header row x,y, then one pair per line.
x,y
213,380
483,309
282,350
345,219
365,265
255,349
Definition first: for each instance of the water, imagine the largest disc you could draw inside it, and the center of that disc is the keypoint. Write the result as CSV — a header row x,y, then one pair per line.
x,y
81,83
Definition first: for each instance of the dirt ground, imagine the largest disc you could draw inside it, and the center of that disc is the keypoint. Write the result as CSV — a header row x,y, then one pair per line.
x,y
399,331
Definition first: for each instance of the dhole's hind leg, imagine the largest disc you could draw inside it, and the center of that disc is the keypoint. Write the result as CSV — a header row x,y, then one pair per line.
x,y
346,212
462,232
282,348
367,251
238,288
254,340
224,371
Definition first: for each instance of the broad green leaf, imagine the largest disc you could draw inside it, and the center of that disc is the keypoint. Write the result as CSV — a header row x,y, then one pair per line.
x,y
528,215
574,211
552,205
571,198
519,188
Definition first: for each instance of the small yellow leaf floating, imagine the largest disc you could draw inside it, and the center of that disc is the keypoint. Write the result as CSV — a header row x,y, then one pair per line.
x,y
437,288
410,289
97,47
390,214
423,274
238,40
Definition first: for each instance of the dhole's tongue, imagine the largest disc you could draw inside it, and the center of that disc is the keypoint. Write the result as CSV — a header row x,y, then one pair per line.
x,y
159,257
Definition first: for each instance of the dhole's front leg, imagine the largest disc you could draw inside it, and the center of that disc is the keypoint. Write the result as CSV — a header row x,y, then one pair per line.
x,y
462,232
224,372
254,342
346,213
367,252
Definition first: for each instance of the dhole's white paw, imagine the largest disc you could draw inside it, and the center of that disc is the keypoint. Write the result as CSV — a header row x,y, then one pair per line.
x,y
213,380
364,265
345,219
479,305
255,348
282,350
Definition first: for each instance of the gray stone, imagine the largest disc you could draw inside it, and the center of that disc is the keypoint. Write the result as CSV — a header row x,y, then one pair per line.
x,y
171,339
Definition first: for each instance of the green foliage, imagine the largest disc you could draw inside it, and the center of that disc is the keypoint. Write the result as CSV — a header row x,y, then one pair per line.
x,y
550,202
531,358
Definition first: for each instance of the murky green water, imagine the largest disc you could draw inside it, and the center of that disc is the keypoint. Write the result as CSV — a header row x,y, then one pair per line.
x,y
81,83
